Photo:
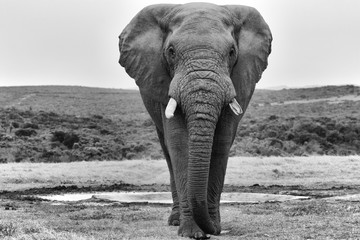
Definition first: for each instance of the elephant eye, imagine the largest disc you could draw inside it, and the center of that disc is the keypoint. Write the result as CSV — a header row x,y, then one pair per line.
x,y
232,52
171,52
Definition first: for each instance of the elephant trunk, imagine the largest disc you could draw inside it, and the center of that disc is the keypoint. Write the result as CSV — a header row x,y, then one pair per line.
x,y
202,108
200,147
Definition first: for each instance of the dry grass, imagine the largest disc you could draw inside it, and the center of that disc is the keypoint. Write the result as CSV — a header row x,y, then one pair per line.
x,y
241,171
306,171
314,219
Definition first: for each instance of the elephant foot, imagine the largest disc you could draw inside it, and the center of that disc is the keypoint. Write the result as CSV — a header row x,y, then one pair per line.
x,y
188,228
216,221
217,227
174,218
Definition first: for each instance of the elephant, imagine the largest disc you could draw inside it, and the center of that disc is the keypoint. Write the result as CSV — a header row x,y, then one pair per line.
x,y
196,66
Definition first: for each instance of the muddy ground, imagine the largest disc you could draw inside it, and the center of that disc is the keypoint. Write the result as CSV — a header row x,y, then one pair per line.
x,y
24,216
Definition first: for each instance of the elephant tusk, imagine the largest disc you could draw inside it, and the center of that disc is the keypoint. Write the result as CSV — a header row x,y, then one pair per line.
x,y
170,108
235,107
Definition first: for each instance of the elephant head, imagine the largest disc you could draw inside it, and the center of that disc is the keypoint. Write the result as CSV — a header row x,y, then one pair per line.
x,y
200,60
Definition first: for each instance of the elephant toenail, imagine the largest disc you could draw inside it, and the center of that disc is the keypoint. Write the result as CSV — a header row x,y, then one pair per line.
x,y
200,235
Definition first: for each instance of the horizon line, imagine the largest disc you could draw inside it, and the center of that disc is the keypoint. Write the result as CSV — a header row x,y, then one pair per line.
x,y
274,88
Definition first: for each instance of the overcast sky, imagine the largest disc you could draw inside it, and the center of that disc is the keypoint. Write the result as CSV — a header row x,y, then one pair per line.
x,y
75,42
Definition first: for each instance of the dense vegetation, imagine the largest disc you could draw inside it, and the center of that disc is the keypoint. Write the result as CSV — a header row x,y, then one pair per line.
x,y
58,124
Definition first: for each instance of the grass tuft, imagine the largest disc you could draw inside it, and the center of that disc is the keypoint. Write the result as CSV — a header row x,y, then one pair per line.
x,y
7,229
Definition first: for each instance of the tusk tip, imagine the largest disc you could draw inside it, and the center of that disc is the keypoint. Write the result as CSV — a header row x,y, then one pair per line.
x,y
170,108
235,107
169,115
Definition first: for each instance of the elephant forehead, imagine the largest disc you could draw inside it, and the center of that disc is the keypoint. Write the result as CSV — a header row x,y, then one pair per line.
x,y
204,16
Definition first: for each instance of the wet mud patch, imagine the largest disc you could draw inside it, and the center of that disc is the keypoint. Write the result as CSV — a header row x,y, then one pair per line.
x,y
314,192
295,190
265,193
33,192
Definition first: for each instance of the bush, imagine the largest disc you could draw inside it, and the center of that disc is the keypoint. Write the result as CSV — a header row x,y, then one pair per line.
x,y
302,137
350,137
105,132
273,117
264,149
68,139
289,136
25,132
272,134
334,137
319,130
313,147
51,155
31,125
15,124
130,155
23,154
58,136
93,151
276,143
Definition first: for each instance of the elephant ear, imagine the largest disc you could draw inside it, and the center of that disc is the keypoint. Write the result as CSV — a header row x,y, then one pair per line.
x,y
254,45
141,45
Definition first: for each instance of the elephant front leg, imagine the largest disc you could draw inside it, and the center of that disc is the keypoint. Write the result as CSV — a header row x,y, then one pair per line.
x,y
174,218
176,138
215,187
223,139
187,227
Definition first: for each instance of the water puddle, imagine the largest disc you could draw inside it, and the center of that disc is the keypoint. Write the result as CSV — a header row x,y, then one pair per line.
x,y
165,197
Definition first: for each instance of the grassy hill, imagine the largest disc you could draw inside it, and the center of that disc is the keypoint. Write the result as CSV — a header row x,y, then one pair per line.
x,y
62,123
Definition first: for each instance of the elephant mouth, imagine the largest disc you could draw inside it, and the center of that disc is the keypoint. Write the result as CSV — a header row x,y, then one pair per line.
x,y
172,104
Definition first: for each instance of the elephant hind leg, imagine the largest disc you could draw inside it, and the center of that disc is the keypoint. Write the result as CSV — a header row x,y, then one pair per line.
x,y
174,218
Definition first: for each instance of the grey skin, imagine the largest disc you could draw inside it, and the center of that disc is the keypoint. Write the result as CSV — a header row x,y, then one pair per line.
x,y
207,59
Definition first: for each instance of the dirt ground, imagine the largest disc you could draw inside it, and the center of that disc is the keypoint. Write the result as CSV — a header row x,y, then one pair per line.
x,y
24,216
